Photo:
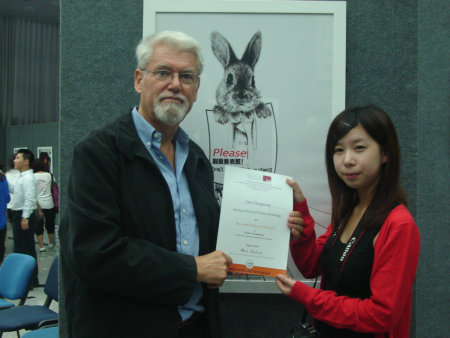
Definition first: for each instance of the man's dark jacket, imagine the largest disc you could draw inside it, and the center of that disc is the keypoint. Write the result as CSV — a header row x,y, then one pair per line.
x,y
120,273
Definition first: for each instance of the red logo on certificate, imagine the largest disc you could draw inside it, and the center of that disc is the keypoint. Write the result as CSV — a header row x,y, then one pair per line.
x,y
266,178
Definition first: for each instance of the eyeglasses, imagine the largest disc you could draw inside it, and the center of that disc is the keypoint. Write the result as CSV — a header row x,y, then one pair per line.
x,y
165,75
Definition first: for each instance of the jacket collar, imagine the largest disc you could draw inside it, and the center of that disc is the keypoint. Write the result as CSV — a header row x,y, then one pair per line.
x,y
127,139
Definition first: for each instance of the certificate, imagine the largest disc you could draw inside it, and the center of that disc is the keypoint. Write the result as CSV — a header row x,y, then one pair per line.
x,y
253,216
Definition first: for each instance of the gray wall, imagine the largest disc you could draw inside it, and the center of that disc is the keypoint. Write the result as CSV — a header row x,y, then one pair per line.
x,y
397,54
98,39
432,285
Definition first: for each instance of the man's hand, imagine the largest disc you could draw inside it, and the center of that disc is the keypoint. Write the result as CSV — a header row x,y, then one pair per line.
x,y
212,268
24,224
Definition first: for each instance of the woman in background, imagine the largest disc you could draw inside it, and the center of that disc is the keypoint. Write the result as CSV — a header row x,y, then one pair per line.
x,y
368,256
4,200
45,207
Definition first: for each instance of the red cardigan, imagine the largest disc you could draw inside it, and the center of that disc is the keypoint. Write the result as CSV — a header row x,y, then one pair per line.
x,y
388,310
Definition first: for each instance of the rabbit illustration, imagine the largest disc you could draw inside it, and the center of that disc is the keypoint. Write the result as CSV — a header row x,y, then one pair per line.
x,y
238,100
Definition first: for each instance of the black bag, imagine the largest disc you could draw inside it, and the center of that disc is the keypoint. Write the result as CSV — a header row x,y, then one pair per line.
x,y
304,330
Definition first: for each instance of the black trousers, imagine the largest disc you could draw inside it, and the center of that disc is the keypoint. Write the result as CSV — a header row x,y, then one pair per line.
x,y
48,221
195,327
24,239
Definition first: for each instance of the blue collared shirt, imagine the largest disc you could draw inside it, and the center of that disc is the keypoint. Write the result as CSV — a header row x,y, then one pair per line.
x,y
4,199
185,221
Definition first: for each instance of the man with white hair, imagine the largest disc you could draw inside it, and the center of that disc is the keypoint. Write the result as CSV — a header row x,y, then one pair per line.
x,y
138,238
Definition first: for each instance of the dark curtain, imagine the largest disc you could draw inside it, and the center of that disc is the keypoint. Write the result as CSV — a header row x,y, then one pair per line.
x,y
29,72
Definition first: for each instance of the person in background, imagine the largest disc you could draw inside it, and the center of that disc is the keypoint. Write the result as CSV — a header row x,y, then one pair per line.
x,y
368,256
137,241
23,205
12,174
4,199
47,161
45,205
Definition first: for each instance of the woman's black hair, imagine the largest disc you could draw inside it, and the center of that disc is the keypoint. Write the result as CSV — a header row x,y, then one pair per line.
x,y
39,165
389,193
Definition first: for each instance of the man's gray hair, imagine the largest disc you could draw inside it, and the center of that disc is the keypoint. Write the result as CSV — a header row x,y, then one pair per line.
x,y
177,40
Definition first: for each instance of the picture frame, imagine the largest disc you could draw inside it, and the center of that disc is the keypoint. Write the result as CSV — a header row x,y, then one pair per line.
x,y
16,149
300,75
335,9
49,151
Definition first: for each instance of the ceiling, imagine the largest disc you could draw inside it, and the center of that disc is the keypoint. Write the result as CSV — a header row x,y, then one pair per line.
x,y
34,10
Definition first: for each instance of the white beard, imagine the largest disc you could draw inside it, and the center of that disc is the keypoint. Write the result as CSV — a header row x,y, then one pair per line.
x,y
171,113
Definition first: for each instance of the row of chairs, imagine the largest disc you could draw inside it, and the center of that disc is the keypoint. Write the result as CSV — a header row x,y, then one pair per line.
x,y
15,277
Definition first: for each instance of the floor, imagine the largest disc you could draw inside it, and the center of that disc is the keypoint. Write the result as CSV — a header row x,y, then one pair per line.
x,y
37,295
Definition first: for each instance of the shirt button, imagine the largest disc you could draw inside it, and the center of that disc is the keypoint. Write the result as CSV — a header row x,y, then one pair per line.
x,y
160,157
185,242
155,135
149,144
184,211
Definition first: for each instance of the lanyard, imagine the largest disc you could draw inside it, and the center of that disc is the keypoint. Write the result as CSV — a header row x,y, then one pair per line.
x,y
347,250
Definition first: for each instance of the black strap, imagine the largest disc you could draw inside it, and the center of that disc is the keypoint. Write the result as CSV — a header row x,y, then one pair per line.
x,y
356,236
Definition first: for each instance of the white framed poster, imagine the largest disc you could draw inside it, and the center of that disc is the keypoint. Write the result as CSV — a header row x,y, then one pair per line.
x,y
16,149
293,53
46,153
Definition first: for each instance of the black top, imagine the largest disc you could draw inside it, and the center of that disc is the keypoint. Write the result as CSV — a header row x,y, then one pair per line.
x,y
352,281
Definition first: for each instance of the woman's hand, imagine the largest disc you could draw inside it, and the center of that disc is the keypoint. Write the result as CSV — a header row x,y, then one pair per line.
x,y
295,220
285,284
295,225
298,195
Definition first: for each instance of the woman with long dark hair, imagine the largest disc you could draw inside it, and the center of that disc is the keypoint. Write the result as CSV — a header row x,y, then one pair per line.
x,y
368,256
45,205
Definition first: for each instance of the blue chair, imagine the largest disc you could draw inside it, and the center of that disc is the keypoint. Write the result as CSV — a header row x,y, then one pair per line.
x,y
15,277
47,332
29,317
